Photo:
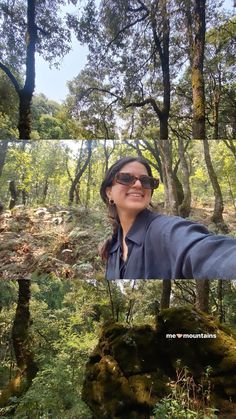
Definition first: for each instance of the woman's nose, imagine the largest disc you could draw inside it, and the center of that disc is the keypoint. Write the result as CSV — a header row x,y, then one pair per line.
x,y
139,184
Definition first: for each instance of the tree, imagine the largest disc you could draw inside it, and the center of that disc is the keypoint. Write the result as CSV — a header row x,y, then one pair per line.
x,y
133,39
94,112
217,216
26,366
219,77
27,29
3,153
80,168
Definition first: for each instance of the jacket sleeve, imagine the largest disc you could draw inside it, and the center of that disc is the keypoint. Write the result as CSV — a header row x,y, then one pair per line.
x,y
191,251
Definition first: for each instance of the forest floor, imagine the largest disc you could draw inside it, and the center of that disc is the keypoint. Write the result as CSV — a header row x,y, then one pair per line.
x,y
63,242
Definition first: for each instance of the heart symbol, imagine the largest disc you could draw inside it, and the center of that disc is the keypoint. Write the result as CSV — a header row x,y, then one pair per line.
x,y
179,335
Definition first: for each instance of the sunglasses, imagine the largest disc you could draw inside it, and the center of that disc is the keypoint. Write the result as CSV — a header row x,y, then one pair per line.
x,y
127,179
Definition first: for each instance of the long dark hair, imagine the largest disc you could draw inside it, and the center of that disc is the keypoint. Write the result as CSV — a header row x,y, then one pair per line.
x,y
112,212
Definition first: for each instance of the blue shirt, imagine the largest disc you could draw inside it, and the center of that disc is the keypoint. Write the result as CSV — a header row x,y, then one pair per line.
x,y
168,247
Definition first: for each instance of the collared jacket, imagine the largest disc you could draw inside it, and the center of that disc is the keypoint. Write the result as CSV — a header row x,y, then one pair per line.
x,y
169,247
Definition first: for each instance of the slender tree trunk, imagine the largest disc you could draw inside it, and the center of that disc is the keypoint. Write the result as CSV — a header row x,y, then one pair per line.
x,y
170,186
197,76
106,156
14,194
231,146
165,295
216,103
88,188
231,193
220,300
80,172
45,190
185,206
26,366
3,153
202,293
217,216
26,94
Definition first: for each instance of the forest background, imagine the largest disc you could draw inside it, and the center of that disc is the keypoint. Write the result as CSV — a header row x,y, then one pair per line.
x,y
163,70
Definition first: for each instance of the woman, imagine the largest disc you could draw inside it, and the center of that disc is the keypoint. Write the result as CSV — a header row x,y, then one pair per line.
x,y
148,245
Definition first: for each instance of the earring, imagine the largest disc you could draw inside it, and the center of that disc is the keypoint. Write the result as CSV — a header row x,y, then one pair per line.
x,y
111,202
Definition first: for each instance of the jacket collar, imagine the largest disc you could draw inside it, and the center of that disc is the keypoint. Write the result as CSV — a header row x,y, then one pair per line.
x,y
137,230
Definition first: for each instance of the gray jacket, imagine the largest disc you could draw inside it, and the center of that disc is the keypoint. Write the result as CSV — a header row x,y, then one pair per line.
x,y
167,247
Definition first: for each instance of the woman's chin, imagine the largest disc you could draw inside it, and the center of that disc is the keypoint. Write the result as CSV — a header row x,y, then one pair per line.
x,y
133,209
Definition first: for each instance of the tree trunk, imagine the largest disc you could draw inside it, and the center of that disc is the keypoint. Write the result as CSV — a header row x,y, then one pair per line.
x,y
24,124
220,300
185,207
202,293
169,182
88,188
217,216
14,194
197,77
216,103
3,153
45,191
80,172
26,93
231,146
165,295
26,366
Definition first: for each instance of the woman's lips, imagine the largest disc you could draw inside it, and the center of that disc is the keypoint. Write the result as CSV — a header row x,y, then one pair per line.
x,y
135,194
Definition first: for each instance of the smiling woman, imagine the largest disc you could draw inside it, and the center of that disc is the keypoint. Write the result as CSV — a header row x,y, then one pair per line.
x,y
149,245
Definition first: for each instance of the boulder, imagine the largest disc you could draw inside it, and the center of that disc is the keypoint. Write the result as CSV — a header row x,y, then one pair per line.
x,y
131,367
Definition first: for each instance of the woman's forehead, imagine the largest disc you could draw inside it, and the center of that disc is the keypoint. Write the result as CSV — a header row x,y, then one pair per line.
x,y
134,167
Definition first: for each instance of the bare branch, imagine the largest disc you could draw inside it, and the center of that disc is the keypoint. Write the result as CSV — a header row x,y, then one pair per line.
x,y
98,89
149,101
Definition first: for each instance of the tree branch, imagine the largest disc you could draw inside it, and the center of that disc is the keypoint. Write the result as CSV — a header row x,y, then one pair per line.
x,y
149,101
11,77
129,25
98,89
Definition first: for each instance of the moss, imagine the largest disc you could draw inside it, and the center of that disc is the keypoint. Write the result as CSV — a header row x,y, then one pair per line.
x,y
130,368
149,388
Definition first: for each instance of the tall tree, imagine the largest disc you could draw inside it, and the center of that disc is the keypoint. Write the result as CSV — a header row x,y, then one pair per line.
x,y
130,46
202,294
196,28
82,163
217,216
28,28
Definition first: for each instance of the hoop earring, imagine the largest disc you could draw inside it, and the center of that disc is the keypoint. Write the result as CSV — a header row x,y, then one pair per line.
x,y
111,202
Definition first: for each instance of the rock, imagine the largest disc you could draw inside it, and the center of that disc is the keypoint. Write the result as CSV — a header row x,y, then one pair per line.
x,y
41,212
130,368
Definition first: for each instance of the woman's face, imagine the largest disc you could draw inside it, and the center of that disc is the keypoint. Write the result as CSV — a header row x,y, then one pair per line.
x,y
130,199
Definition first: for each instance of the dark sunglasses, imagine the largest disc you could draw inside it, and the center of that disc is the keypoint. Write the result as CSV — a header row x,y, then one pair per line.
x,y
127,179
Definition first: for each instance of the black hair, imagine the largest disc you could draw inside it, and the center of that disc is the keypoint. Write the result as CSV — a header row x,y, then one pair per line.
x,y
112,212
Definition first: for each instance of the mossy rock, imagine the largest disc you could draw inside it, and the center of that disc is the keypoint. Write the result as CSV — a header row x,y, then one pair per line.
x,y
131,367
197,354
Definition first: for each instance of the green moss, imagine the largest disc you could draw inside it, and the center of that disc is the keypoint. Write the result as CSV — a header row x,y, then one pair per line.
x,y
131,366
149,388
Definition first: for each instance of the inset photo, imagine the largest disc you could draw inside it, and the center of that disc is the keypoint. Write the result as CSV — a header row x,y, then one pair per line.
x,y
106,209
133,69
104,349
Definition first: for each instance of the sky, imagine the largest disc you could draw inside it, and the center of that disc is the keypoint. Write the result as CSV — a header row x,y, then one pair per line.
x,y
53,82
